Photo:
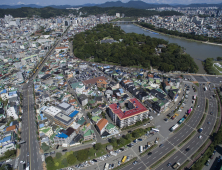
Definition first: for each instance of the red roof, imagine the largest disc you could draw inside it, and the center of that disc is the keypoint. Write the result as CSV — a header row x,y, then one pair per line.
x,y
138,109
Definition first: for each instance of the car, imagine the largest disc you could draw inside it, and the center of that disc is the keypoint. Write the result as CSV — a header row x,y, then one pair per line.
x,y
150,153
70,168
166,119
27,163
9,160
200,137
169,164
200,130
212,156
127,158
22,162
214,151
144,124
112,166
27,154
135,162
57,147
198,106
119,163
219,160
187,149
211,113
64,150
140,139
208,123
161,145
53,152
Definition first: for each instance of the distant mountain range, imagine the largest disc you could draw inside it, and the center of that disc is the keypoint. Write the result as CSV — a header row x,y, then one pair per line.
x,y
131,4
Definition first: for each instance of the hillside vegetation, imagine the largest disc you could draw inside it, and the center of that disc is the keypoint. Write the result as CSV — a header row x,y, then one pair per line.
x,y
131,50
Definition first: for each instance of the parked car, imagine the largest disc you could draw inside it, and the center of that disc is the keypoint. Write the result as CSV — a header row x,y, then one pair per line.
x,y
135,162
64,150
150,153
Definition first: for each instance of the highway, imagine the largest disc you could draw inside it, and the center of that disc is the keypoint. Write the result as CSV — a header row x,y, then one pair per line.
x,y
194,144
28,134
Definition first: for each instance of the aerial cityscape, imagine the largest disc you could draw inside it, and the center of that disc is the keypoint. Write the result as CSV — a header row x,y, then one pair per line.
x,y
110,85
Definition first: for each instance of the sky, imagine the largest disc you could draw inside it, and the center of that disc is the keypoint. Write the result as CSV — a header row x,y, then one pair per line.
x,y
81,2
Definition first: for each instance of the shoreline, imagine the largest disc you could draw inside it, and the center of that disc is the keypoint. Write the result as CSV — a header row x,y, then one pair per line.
x,y
204,42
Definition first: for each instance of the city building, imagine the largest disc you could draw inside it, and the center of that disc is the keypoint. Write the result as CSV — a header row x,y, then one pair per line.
x,y
122,118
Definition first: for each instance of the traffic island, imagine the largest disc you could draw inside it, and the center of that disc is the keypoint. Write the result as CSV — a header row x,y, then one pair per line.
x,y
206,106
162,159
200,149
148,150
188,138
201,121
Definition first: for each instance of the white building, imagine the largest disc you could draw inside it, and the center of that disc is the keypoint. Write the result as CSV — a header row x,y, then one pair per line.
x,y
11,113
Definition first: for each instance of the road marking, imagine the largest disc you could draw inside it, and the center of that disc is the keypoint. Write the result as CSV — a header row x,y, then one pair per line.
x,y
175,157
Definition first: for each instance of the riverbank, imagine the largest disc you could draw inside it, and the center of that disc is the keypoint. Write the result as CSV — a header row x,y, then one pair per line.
x,y
174,36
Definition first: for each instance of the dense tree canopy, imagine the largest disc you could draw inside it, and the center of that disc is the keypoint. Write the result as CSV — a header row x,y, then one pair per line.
x,y
131,50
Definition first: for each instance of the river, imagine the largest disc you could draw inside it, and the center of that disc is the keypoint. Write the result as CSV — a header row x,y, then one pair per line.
x,y
199,51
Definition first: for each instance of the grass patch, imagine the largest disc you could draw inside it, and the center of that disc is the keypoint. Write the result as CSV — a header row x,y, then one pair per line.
x,y
126,163
181,125
206,106
197,84
185,140
200,149
148,150
218,108
163,158
215,126
195,105
184,165
201,121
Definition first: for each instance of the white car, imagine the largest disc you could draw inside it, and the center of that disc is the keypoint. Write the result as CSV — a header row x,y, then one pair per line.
x,y
9,160
22,162
200,137
198,106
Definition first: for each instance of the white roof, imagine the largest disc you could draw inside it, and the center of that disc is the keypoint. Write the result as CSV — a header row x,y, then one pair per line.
x,y
52,111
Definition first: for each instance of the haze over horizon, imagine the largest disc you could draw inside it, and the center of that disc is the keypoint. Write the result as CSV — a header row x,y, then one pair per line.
x,y
69,2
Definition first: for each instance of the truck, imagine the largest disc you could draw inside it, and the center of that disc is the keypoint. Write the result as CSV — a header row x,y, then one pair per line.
x,y
181,120
175,115
157,139
176,165
106,166
141,149
174,127
124,159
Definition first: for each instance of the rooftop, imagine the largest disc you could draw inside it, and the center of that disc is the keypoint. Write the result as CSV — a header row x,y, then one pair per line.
x,y
138,108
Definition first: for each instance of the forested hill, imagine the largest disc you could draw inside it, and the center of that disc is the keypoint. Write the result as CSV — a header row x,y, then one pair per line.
x,y
48,12
129,12
131,49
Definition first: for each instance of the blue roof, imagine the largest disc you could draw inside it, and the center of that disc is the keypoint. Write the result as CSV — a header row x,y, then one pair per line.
x,y
62,135
5,139
42,117
74,113
41,125
121,91
4,91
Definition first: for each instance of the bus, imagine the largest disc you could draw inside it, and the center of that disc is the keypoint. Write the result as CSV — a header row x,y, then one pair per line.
x,y
124,159
155,130
174,127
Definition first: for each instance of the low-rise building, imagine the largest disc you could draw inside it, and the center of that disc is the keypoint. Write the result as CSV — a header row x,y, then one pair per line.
x,y
101,125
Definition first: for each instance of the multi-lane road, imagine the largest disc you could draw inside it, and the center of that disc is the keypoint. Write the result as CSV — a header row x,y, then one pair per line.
x,y
30,149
